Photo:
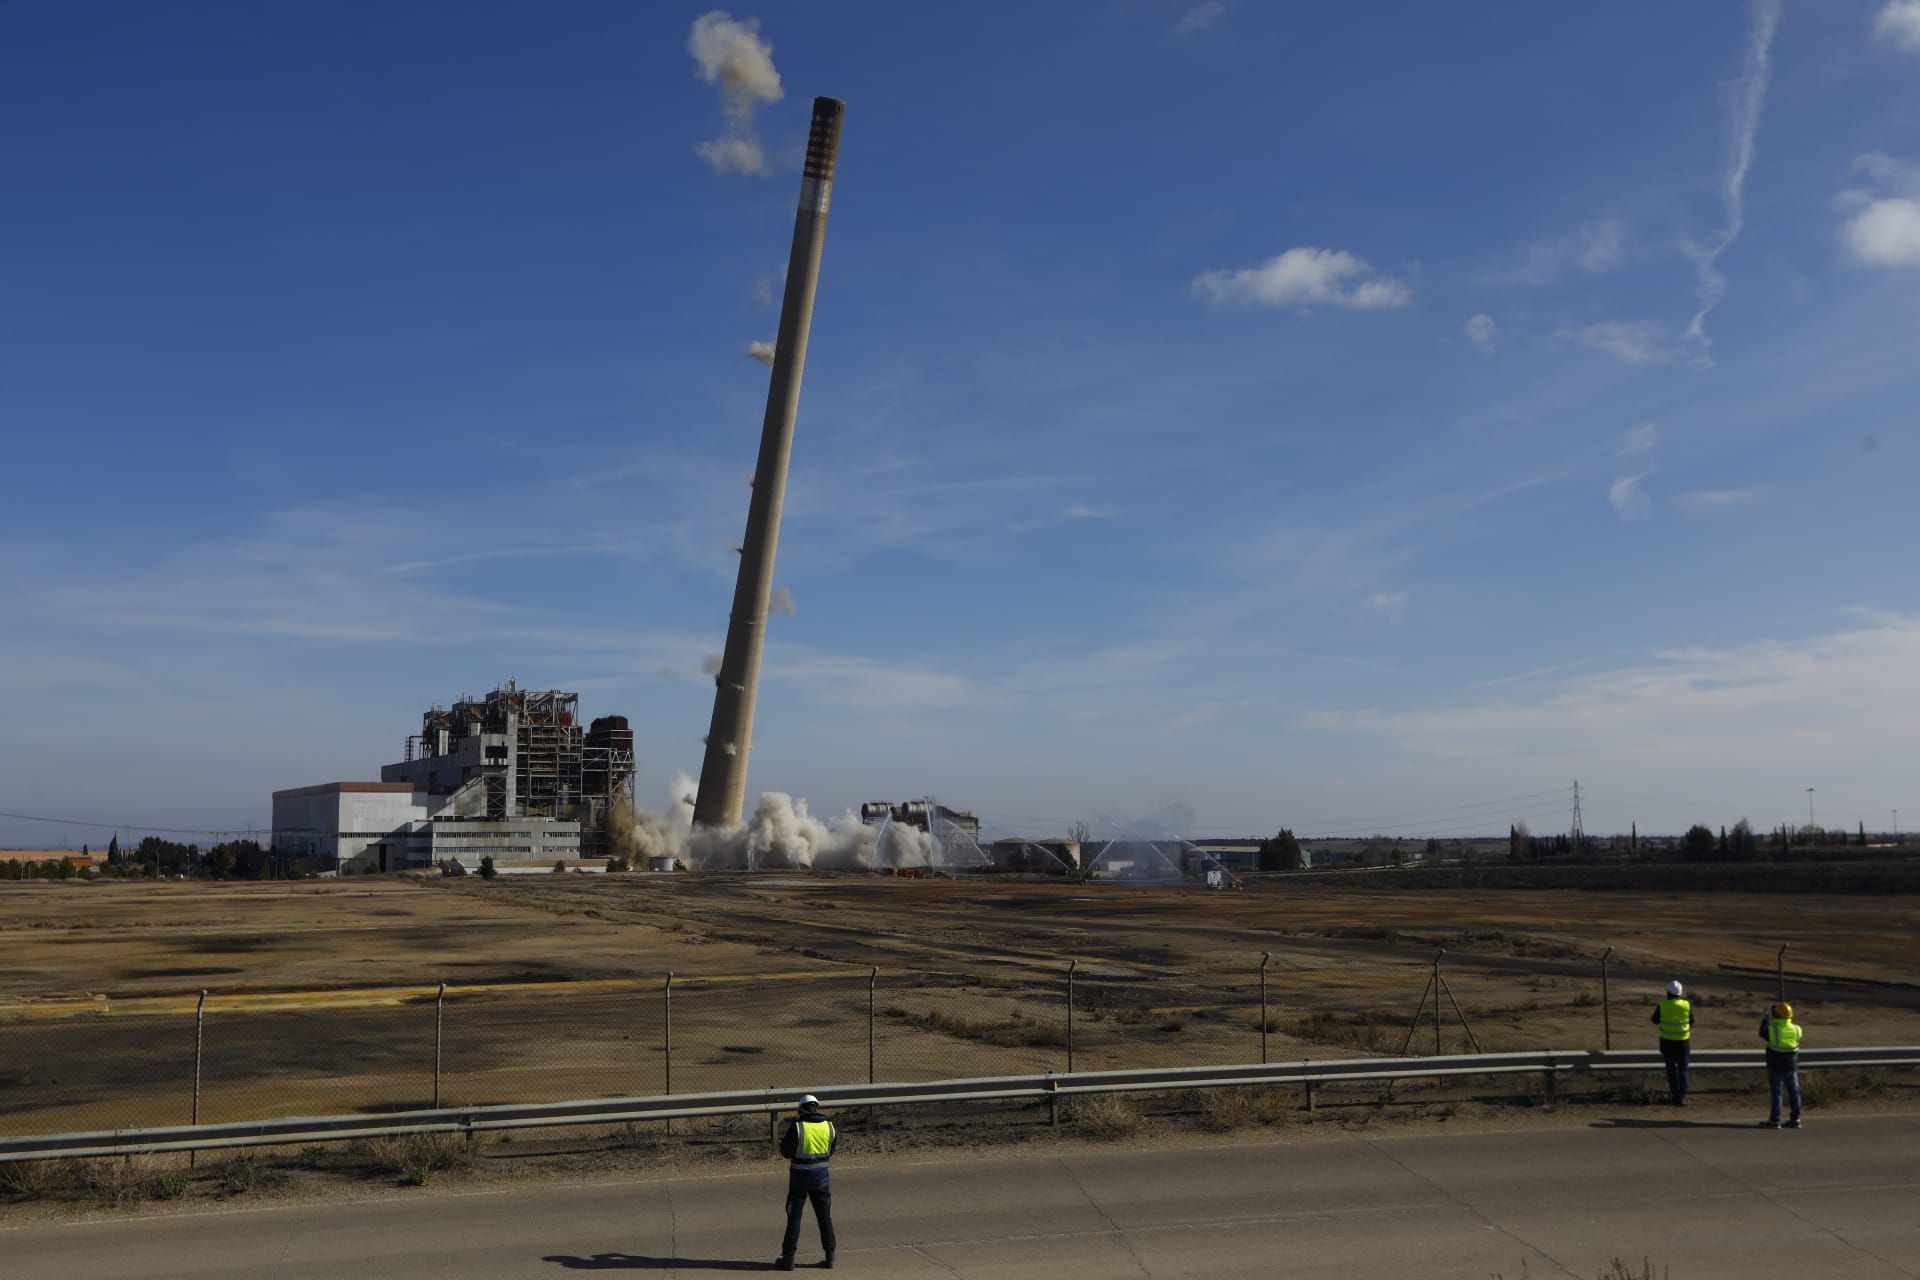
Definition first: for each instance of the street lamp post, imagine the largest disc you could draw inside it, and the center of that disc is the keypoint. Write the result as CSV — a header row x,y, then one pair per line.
x,y
1809,807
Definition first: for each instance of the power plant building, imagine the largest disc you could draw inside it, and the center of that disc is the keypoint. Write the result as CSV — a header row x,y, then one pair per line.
x,y
511,776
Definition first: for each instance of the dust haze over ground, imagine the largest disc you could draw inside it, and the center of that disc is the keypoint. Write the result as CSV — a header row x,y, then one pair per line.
x,y
780,835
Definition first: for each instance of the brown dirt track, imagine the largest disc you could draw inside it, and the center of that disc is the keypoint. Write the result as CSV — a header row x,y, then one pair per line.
x,y
323,992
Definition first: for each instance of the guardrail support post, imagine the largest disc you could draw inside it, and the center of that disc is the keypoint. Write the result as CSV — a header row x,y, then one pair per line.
x,y
199,1044
1071,966
873,999
1264,957
439,1025
1311,1101
1053,1103
1606,1002
1550,1085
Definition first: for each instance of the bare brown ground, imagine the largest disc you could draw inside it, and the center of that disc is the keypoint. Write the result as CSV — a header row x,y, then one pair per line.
x,y
323,993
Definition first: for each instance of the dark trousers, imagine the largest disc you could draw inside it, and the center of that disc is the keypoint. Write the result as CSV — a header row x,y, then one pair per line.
x,y
1784,1080
1675,1052
805,1185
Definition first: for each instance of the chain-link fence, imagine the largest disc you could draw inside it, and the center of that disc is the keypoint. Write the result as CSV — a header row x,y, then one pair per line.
x,y
256,1055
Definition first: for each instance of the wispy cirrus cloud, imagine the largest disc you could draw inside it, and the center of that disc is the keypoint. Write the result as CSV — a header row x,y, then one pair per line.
x,y
1305,277
1760,712
1200,17
1644,438
1595,247
1391,605
1631,341
1480,332
1707,500
1629,499
1746,94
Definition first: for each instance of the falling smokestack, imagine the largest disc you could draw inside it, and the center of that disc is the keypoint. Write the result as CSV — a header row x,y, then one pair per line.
x,y
723,773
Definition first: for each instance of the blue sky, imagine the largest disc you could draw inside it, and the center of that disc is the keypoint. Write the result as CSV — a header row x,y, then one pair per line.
x,y
1359,418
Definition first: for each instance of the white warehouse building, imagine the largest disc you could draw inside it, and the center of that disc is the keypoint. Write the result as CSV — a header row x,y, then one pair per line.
x,y
389,826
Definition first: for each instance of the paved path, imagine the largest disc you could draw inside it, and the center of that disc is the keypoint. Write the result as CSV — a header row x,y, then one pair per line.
x,y
1838,1199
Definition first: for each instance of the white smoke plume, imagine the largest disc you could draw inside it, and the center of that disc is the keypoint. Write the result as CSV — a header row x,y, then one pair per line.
x,y
782,604
710,665
731,53
781,834
761,351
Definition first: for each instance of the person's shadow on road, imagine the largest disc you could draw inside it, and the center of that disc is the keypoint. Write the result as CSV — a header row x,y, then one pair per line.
x,y
639,1262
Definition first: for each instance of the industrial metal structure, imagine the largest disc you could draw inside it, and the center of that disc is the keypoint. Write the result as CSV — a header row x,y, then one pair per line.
x,y
510,776
723,771
921,815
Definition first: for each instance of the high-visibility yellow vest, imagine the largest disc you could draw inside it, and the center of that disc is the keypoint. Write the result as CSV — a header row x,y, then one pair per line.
x,y
1783,1035
815,1142
1676,1019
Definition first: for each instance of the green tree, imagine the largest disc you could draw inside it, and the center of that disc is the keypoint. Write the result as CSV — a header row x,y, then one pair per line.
x,y
113,848
1697,846
487,871
1742,846
1282,853
559,866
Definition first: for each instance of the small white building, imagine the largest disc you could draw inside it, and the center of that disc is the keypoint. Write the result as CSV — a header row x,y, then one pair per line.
x,y
370,826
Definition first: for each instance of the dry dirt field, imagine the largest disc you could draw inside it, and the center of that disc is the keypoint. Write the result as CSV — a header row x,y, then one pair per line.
x,y
323,994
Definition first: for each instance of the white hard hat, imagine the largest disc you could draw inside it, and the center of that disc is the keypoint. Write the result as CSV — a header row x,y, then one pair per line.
x,y
1673,988
808,1100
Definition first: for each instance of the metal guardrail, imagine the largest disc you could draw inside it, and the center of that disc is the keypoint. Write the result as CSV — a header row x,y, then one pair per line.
x,y
474,1120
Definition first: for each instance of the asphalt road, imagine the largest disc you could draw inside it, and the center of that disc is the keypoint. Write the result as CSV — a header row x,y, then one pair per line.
x,y
1839,1198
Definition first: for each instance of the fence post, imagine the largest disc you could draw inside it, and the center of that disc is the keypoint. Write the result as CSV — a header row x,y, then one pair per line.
x,y
1780,971
1071,966
873,997
1436,1000
199,1044
666,997
439,1023
1606,1002
1264,957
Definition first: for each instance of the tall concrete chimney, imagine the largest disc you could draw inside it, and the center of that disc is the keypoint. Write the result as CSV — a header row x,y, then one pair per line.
x,y
723,773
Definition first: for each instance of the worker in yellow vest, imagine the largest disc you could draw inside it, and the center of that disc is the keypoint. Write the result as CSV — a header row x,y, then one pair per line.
x,y
1782,1035
1674,1017
807,1144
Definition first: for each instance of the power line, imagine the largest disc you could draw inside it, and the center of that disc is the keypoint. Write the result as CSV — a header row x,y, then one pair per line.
x,y
138,826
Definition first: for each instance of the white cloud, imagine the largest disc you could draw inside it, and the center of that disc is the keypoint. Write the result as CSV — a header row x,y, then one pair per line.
x,y
1701,500
1303,277
1899,23
1886,233
1745,96
1644,438
1391,605
761,351
1480,332
1628,500
1200,17
1749,721
1633,341
1594,248
731,54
